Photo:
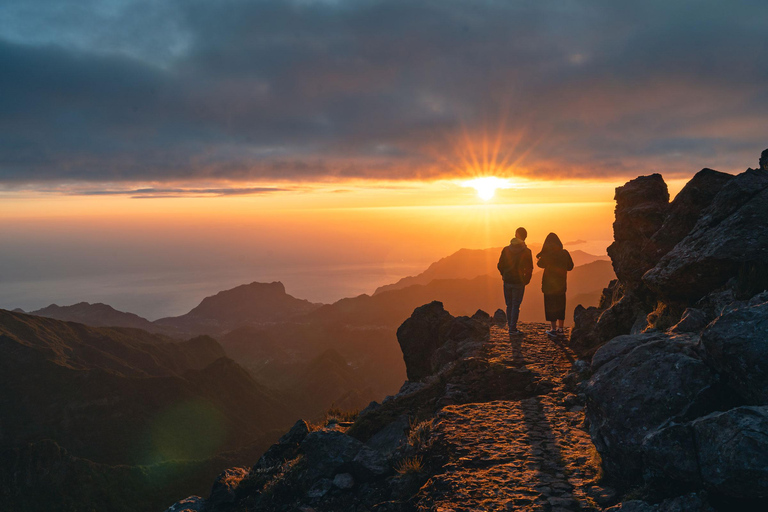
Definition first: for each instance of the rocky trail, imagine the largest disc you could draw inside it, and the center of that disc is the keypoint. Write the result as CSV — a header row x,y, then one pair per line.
x,y
528,454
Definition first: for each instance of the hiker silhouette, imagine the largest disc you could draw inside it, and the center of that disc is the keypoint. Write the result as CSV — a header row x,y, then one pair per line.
x,y
556,263
516,266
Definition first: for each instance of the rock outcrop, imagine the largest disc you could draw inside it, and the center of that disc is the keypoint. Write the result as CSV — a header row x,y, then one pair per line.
x,y
677,399
432,337
706,248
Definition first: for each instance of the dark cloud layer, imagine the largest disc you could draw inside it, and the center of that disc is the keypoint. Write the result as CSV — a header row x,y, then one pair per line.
x,y
186,90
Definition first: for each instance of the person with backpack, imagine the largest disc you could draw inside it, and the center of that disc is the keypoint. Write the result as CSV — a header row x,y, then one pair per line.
x,y
556,263
516,267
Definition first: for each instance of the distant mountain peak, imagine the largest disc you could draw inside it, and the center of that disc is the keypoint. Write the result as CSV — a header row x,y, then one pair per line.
x,y
97,315
251,303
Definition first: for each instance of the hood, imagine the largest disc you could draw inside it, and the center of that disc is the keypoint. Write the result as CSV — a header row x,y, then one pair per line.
x,y
517,245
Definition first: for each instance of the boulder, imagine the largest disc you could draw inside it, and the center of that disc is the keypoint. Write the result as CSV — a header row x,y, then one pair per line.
x,y
461,336
763,164
670,457
419,337
482,317
369,464
500,317
693,502
633,506
736,345
617,314
730,238
641,208
343,481
286,447
733,451
191,504
693,320
391,438
684,211
320,488
726,452
325,451
432,337
639,383
225,487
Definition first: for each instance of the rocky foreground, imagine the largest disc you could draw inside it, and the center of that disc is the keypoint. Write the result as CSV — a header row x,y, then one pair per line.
x,y
498,428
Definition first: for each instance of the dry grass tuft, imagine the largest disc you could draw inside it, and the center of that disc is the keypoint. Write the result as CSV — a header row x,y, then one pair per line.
x,y
410,465
333,416
419,433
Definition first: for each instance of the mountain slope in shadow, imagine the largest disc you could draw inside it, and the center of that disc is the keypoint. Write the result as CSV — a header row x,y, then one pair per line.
x,y
125,396
97,315
246,304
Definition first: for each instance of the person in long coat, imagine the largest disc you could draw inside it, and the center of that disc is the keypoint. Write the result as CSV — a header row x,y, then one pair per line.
x,y
556,263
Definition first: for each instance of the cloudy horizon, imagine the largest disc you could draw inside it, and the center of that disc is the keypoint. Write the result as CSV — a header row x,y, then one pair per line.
x,y
169,93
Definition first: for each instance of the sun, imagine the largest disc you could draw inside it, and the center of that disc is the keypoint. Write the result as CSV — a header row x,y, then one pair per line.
x,y
486,187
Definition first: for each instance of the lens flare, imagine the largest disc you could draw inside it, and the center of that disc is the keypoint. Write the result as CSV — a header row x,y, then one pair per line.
x,y
486,187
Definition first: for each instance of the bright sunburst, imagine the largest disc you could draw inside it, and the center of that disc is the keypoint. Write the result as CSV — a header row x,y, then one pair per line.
x,y
486,187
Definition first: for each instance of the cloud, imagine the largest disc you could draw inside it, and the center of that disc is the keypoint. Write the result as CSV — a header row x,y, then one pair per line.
x,y
132,91
150,193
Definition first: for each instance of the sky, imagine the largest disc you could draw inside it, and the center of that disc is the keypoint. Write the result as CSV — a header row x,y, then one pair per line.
x,y
199,144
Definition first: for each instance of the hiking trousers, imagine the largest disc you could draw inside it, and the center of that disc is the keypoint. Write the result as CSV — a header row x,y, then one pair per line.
x,y
513,296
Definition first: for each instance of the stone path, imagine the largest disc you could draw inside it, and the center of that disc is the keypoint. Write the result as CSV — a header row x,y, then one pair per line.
x,y
529,455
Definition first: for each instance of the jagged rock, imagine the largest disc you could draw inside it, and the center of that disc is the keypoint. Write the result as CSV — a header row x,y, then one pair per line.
x,y
633,506
325,451
285,448
500,317
463,335
223,491
344,481
693,502
640,382
733,451
370,408
724,451
191,504
764,160
693,320
432,337
320,488
684,211
669,455
729,239
641,208
419,337
390,438
618,313
736,345
369,463
482,316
